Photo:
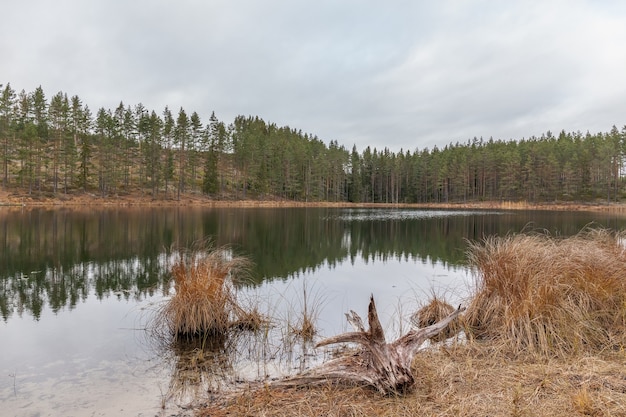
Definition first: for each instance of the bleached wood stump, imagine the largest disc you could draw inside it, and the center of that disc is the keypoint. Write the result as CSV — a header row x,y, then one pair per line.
x,y
384,366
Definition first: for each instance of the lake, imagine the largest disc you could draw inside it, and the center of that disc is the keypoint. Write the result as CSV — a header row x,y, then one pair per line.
x,y
78,288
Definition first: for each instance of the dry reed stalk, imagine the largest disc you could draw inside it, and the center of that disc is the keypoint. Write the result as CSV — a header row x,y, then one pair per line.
x,y
304,327
550,296
205,303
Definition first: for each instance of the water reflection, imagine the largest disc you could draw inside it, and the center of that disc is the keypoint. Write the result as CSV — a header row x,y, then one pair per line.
x,y
67,285
198,366
55,258
76,287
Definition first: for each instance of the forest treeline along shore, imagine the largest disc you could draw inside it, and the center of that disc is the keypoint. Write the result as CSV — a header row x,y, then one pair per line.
x,y
58,145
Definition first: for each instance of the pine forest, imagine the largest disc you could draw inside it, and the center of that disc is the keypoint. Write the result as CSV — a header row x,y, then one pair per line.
x,y
57,145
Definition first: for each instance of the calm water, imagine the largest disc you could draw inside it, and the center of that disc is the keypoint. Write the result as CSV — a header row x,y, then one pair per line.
x,y
77,288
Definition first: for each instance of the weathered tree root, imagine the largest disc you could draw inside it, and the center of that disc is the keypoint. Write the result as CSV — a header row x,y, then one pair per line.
x,y
384,366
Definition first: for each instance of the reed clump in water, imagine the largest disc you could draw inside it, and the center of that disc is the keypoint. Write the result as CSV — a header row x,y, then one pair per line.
x,y
550,296
305,327
205,302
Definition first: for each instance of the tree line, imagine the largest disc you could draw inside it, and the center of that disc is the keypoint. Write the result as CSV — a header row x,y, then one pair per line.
x,y
58,145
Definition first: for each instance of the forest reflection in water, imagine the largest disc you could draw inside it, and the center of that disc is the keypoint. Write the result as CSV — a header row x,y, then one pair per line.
x,y
54,258
76,285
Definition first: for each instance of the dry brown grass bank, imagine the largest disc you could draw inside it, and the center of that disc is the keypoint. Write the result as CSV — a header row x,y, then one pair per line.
x,y
550,296
459,381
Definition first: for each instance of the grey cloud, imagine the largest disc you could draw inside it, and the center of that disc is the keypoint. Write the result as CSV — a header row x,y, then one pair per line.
x,y
397,74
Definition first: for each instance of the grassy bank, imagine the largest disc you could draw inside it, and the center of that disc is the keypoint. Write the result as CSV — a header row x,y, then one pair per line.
x,y
546,336
460,381
550,296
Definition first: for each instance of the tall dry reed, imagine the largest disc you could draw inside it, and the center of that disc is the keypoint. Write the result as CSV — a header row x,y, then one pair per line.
x,y
550,296
205,301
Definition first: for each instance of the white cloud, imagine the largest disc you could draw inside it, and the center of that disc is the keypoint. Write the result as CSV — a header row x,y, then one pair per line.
x,y
397,74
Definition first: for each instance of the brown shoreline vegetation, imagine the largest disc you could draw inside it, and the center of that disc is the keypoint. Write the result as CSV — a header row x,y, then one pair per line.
x,y
90,200
459,380
546,336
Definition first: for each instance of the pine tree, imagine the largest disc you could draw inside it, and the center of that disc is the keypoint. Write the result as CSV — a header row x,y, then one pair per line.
x,y
57,129
168,157
196,135
7,102
81,126
40,118
212,149
156,138
129,145
108,162
354,190
181,138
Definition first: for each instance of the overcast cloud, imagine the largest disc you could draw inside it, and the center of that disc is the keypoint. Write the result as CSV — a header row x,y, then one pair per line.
x,y
397,74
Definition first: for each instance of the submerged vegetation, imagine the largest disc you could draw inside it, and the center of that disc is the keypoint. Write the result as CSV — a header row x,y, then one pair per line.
x,y
207,327
304,325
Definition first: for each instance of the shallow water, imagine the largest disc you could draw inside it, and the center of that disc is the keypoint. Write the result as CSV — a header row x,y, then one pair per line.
x,y
77,290
90,361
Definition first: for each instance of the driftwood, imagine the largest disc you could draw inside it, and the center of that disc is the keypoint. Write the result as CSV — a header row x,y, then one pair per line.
x,y
384,366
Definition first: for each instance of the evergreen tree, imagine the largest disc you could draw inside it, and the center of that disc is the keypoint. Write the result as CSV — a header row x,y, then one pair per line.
x,y
354,190
40,118
212,147
7,135
45,146
151,128
81,126
129,145
108,162
181,138
168,157
196,140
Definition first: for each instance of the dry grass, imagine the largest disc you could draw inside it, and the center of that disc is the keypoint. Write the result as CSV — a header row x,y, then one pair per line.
x,y
205,302
547,330
304,326
458,381
433,312
550,296
201,323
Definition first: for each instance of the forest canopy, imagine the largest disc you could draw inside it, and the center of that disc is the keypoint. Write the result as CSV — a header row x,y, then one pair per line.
x,y
58,145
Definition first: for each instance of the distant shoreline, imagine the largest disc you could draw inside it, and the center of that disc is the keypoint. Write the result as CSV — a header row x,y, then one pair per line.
x,y
8,199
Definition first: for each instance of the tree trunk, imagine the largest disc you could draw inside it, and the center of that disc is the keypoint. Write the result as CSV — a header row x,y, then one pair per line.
x,y
384,366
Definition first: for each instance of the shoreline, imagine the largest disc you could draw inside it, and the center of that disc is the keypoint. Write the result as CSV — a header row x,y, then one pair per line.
x,y
89,200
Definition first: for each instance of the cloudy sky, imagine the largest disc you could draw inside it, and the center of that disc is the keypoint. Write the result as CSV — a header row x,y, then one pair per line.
x,y
398,74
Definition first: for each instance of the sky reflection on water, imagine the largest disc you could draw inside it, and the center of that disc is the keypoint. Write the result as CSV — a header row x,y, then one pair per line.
x,y
97,357
72,336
